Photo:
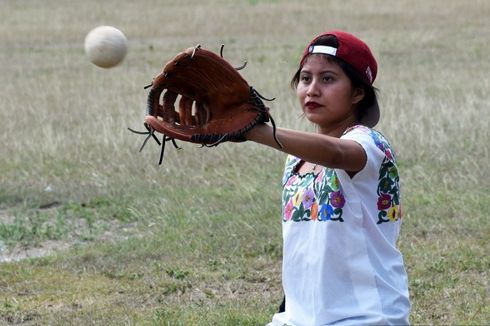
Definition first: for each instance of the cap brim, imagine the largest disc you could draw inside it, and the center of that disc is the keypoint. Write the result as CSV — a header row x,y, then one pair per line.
x,y
371,118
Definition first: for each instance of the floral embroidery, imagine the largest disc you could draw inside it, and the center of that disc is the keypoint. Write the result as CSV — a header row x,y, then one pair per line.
x,y
389,182
288,211
308,198
388,192
384,202
298,197
320,197
311,197
385,184
314,211
326,212
393,213
337,199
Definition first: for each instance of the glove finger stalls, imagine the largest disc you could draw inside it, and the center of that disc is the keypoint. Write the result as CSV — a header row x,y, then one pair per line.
x,y
185,111
160,111
201,115
169,113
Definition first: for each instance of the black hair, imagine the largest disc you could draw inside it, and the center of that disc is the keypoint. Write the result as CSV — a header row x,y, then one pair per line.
x,y
356,79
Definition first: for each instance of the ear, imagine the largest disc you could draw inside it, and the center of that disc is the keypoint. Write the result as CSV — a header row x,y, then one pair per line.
x,y
357,95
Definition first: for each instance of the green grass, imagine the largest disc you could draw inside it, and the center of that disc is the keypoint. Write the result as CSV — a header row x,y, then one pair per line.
x,y
197,241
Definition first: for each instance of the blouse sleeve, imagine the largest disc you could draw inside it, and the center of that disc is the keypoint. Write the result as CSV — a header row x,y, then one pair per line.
x,y
377,148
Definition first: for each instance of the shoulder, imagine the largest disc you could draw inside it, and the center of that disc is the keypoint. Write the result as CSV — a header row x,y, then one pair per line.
x,y
379,180
371,140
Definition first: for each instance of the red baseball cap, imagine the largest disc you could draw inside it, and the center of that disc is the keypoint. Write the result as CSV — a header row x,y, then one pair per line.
x,y
357,54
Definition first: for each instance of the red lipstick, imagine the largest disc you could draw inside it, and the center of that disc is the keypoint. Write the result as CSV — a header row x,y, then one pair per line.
x,y
311,105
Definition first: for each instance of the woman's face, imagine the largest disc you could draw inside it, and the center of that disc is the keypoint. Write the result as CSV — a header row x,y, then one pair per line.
x,y
326,94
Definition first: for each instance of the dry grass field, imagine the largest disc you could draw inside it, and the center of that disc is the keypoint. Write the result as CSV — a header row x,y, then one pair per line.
x,y
197,240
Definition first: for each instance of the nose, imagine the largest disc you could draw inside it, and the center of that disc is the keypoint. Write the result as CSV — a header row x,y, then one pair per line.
x,y
313,88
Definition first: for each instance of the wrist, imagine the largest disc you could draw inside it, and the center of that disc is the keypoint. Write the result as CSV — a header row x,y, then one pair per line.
x,y
255,133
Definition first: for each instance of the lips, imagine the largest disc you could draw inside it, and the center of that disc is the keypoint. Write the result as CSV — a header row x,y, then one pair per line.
x,y
311,105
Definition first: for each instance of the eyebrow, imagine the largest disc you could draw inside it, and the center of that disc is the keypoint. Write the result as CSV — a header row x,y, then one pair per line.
x,y
320,73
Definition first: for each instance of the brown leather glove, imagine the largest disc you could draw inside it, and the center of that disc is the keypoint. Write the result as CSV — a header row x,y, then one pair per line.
x,y
215,103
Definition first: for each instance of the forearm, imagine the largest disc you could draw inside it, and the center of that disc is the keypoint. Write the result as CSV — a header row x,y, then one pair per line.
x,y
312,147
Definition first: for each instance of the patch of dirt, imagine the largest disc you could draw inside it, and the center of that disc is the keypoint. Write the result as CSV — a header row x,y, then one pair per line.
x,y
6,218
16,253
114,231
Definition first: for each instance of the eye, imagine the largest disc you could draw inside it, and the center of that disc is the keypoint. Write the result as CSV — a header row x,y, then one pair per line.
x,y
304,78
327,78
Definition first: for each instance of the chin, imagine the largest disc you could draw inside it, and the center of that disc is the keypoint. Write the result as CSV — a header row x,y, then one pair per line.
x,y
313,118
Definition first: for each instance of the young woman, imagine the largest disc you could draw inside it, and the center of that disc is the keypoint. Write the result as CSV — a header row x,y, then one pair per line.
x,y
341,211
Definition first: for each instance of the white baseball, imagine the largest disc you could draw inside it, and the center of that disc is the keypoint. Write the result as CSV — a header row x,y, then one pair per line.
x,y
106,46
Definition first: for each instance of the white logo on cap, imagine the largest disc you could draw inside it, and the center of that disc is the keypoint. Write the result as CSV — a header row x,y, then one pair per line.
x,y
369,74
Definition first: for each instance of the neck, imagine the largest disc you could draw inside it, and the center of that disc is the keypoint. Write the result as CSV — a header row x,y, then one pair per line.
x,y
338,129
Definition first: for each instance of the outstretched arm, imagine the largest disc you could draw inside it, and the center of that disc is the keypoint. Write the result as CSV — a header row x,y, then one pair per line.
x,y
315,148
